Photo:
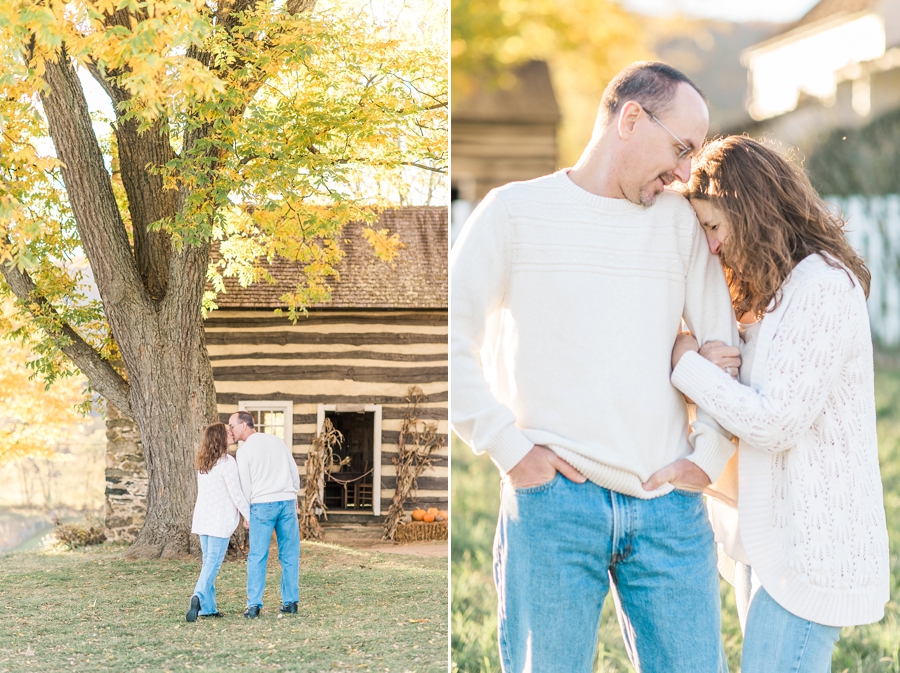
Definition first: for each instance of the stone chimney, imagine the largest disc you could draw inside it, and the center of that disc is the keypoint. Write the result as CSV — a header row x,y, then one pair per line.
x,y
126,478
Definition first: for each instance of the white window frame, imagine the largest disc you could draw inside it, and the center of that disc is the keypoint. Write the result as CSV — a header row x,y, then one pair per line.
x,y
376,443
275,405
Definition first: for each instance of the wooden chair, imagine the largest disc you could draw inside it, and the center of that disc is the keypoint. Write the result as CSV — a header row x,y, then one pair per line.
x,y
363,492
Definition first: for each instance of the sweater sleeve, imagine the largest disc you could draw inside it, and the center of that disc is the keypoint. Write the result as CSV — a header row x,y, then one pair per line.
x,y
803,362
479,272
292,470
244,473
233,484
710,317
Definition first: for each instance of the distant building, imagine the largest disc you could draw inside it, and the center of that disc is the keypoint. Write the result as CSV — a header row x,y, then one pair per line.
x,y
837,67
503,131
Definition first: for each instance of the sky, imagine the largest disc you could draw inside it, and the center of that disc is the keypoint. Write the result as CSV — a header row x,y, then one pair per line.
x,y
776,11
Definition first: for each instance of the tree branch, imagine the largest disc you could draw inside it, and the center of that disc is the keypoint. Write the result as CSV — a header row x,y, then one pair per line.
x,y
88,185
433,169
148,200
103,378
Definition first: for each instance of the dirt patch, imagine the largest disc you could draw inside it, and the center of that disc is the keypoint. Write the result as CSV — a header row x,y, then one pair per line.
x,y
431,548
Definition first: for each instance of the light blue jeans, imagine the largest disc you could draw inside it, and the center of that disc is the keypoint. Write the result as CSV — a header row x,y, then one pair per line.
x,y
213,549
775,640
558,549
282,518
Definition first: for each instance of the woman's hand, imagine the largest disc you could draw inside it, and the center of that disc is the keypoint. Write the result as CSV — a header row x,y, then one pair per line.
x,y
684,342
721,355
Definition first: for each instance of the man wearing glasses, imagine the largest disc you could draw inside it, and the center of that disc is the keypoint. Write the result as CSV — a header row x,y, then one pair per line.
x,y
270,481
567,293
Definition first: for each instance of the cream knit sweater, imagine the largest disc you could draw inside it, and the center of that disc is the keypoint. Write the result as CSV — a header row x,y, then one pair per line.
x,y
267,468
810,499
564,310
219,499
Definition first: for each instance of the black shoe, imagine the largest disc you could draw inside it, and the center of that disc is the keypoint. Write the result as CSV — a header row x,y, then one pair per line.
x,y
191,615
288,608
212,614
252,612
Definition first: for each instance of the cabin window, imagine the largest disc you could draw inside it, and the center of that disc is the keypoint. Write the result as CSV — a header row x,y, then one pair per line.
x,y
355,486
273,417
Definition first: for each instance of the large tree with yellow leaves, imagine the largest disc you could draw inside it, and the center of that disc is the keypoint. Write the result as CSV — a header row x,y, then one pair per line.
x,y
239,121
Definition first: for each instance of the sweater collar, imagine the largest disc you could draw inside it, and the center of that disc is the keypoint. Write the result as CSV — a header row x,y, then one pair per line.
x,y
603,203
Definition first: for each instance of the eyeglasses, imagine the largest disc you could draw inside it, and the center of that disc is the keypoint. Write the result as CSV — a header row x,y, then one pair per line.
x,y
686,150
235,426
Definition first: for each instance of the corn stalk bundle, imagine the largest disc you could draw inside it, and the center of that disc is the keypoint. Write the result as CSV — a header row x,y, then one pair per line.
x,y
418,440
321,459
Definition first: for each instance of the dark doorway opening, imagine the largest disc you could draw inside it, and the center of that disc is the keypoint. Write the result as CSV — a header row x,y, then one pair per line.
x,y
350,487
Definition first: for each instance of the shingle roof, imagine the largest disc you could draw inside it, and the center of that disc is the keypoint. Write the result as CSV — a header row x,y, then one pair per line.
x,y
417,279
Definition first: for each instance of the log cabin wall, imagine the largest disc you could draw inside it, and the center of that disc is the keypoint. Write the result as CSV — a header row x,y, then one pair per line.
x,y
347,359
504,131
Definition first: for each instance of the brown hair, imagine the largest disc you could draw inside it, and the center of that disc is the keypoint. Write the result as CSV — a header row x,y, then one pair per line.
x,y
650,83
213,446
776,219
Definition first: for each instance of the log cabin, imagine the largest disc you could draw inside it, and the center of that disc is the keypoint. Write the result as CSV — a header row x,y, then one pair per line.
x,y
352,360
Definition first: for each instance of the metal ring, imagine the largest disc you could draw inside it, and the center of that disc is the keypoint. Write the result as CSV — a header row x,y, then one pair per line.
x,y
728,371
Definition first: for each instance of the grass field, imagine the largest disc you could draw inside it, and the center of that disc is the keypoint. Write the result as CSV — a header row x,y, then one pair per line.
x,y
473,621
90,610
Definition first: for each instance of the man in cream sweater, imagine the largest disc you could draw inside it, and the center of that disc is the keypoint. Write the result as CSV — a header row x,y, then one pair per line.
x,y
567,293
270,482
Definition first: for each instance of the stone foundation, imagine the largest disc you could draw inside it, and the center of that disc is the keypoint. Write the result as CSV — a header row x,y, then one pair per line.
x,y
126,478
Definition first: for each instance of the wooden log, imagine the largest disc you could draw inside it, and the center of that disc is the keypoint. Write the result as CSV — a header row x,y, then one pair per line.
x,y
353,338
233,398
332,372
331,355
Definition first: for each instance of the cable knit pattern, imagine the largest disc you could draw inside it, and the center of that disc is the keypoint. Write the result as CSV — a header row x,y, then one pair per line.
x,y
565,306
810,497
219,499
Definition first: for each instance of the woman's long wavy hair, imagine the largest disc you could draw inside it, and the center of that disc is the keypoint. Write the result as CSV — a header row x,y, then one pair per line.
x,y
776,218
213,446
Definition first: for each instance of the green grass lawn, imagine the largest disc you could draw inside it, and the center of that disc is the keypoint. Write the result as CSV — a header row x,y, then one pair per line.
x,y
473,626
91,610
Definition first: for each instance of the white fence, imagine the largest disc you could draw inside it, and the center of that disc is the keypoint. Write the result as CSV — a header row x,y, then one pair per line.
x,y
873,228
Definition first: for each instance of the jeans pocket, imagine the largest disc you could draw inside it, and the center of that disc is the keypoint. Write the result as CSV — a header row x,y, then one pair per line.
x,y
540,488
688,494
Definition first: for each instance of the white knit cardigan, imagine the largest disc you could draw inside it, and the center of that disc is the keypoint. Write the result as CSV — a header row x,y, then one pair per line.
x,y
810,497
219,499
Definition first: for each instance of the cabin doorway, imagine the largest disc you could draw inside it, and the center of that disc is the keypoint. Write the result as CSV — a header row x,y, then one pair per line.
x,y
355,485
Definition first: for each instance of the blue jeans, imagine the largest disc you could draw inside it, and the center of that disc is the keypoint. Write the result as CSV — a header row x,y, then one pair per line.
x,y
282,518
558,549
213,549
777,641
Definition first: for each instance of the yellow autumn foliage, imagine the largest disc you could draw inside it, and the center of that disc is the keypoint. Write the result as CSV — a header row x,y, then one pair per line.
x,y
34,418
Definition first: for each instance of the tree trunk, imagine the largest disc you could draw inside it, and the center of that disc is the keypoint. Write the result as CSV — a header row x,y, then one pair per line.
x,y
173,398
170,390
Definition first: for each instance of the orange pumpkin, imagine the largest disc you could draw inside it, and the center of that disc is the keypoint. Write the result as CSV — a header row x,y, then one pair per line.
x,y
429,517
444,514
418,514
433,510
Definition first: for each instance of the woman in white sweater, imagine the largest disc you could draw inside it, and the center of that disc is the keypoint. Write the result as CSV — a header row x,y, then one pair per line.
x,y
799,509
219,499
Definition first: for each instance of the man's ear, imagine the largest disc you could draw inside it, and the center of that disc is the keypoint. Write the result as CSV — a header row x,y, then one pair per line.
x,y
626,122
